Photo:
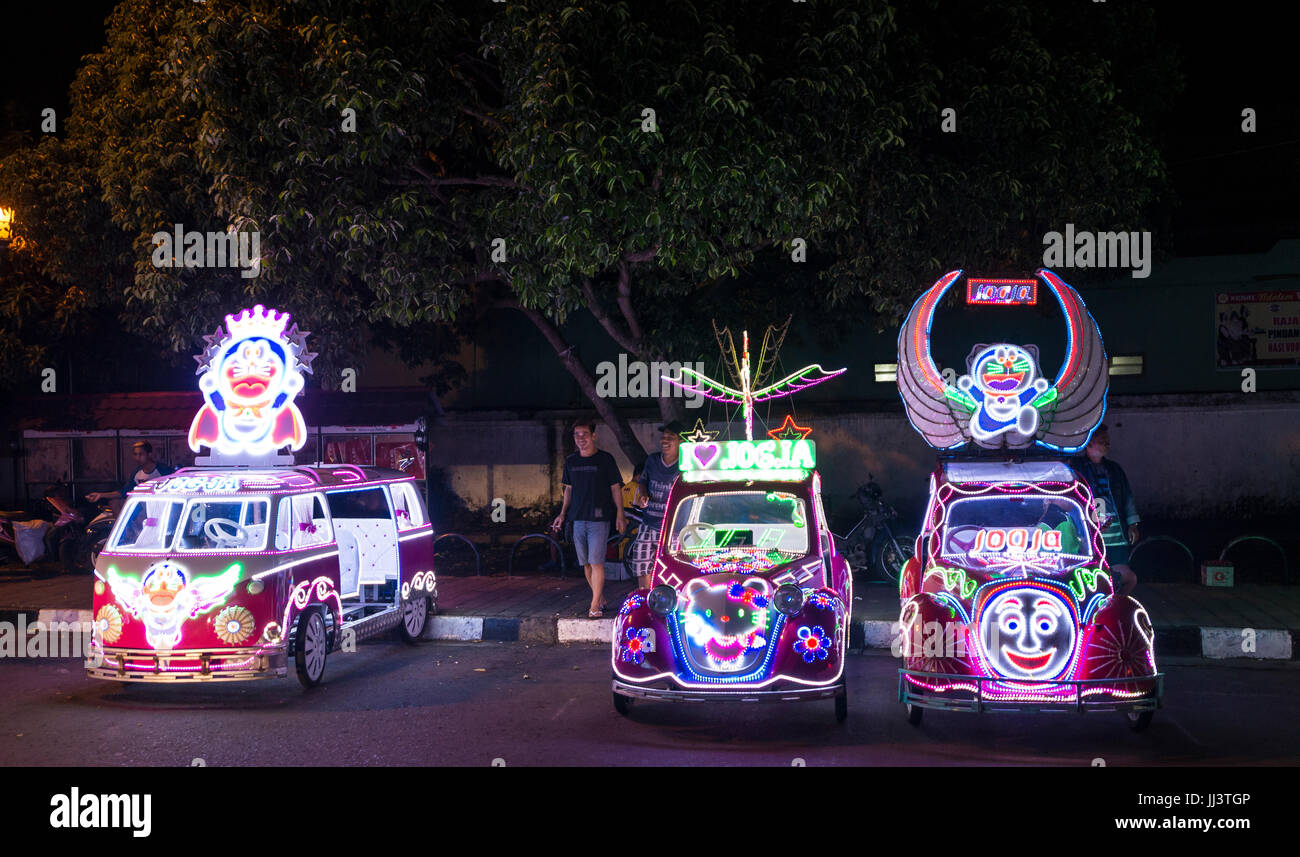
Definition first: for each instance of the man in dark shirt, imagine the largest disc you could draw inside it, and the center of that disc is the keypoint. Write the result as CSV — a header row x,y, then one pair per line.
x,y
657,476
150,468
1116,510
593,492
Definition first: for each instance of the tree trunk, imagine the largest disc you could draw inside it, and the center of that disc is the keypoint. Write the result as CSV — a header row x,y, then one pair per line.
x,y
623,433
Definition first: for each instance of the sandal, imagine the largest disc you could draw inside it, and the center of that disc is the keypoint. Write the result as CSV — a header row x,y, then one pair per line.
x,y
595,614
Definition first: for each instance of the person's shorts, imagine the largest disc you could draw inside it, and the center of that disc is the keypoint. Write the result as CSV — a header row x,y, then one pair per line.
x,y
589,538
641,554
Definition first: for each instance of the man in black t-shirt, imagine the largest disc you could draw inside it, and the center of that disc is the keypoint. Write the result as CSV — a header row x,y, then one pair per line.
x,y
653,484
593,498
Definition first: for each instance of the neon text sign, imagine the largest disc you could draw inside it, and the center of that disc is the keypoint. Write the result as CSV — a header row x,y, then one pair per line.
x,y
1017,540
747,459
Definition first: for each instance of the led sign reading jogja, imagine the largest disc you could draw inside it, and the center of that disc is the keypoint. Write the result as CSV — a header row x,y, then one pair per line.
x,y
747,459
1002,292
192,484
249,376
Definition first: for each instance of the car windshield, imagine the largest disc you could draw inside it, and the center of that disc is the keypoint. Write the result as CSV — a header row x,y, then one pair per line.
x,y
770,525
234,524
147,525
1023,529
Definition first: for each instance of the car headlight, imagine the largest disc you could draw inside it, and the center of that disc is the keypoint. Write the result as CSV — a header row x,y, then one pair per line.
x,y
662,599
788,598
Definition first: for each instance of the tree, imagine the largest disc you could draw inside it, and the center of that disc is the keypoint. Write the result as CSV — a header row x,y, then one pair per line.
x,y
404,168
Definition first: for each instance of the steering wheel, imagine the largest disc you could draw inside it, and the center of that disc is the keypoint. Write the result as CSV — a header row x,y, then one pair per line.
x,y
963,537
212,529
699,532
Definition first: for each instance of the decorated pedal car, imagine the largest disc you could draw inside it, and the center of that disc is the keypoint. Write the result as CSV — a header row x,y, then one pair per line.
x,y
1009,603
232,570
750,601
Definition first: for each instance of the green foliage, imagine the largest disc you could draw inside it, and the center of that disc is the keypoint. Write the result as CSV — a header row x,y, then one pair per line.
x,y
524,121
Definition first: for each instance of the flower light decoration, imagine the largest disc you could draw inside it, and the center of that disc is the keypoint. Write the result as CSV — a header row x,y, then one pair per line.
x,y
249,376
750,382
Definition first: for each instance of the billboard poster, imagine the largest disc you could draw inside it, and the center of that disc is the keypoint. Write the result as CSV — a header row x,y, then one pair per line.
x,y
1258,329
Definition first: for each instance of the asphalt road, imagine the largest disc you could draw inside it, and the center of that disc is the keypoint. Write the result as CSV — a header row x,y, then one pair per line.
x,y
471,703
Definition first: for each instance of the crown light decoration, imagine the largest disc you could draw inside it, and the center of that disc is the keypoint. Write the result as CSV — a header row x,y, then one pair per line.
x,y
249,374
750,382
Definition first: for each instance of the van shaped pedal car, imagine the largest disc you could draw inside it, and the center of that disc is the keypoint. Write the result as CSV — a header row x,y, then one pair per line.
x,y
232,571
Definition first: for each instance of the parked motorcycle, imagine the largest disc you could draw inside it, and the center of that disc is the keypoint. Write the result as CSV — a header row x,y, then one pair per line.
x,y
79,532
872,542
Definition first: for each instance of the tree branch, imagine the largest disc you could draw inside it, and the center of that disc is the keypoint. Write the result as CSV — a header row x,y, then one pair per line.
x,y
625,299
630,345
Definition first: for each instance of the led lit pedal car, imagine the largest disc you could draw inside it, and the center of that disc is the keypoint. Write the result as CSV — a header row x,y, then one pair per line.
x,y
1009,602
751,603
229,571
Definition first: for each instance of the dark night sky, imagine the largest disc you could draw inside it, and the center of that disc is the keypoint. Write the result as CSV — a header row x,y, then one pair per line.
x,y
1235,191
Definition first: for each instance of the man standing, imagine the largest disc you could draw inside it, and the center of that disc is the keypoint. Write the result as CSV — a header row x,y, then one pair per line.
x,y
593,490
150,468
657,476
1116,510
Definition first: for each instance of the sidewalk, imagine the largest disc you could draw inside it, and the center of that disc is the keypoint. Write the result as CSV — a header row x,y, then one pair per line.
x,y
1190,620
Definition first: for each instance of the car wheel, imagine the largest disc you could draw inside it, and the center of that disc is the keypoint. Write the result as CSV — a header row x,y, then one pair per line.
x,y
842,707
311,647
914,714
1138,721
622,704
415,615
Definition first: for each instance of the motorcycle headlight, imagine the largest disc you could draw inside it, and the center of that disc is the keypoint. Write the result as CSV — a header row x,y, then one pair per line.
x,y
662,599
788,598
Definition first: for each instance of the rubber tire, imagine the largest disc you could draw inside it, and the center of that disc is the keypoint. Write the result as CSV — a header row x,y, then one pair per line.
x,y
842,707
1138,721
311,626
914,714
412,637
885,544
622,704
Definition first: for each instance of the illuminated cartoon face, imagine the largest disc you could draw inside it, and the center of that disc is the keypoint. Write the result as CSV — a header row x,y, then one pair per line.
x,y
726,624
1004,370
252,373
165,598
1028,632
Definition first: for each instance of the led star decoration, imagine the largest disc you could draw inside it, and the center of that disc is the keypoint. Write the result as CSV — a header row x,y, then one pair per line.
x,y
699,434
789,430
750,388
249,376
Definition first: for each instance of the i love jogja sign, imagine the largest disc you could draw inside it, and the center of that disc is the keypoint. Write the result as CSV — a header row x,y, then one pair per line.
x,y
740,455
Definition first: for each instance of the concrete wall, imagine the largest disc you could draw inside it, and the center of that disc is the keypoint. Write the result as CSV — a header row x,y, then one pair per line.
x,y
1187,456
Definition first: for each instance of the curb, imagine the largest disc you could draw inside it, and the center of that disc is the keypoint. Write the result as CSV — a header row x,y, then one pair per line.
x,y
1211,643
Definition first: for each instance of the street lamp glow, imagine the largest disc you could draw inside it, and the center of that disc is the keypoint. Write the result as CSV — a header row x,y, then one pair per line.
x,y
6,224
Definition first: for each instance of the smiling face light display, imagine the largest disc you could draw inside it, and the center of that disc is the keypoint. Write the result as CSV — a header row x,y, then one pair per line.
x,y
1003,380
726,623
1028,632
250,375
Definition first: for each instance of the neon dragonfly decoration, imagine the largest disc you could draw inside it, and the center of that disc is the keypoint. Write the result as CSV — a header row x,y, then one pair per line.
x,y
249,376
750,382
165,597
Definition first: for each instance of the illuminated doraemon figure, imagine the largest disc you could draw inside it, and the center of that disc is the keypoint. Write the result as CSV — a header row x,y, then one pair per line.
x,y
165,598
250,375
1004,381
1029,632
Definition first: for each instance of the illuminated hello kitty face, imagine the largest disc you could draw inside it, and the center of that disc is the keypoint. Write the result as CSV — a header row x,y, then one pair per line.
x,y
254,371
1003,370
1028,632
726,624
